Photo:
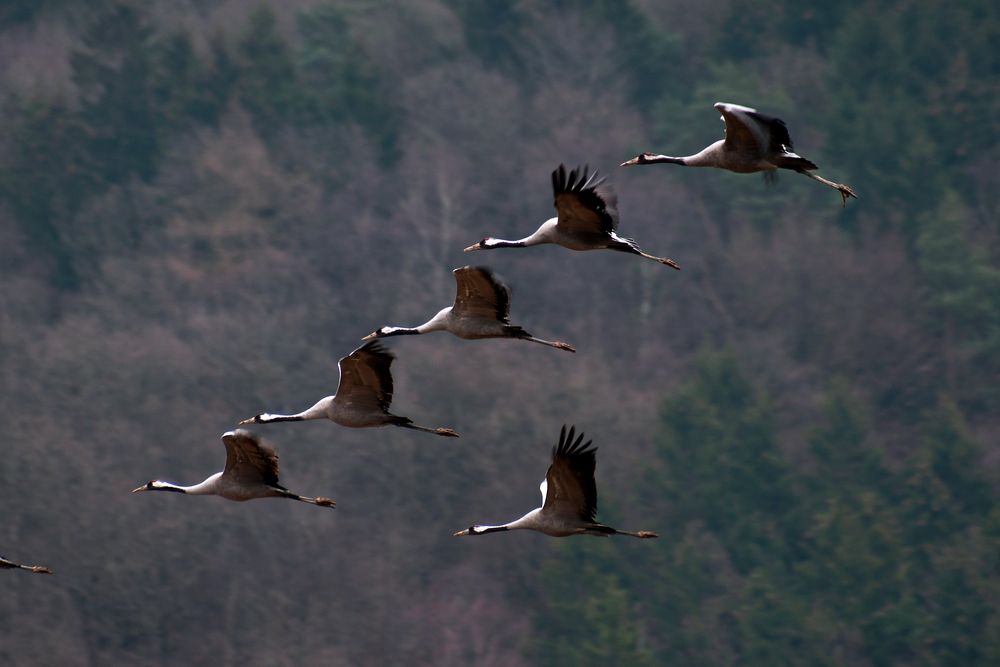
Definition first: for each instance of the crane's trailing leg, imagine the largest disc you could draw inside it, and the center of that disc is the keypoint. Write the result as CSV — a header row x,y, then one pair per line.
x,y
318,500
630,246
558,344
845,190
447,432
662,260
519,333
642,534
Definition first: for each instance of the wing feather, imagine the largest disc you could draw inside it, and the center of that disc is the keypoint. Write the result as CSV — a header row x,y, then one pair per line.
x,y
584,203
749,130
365,378
249,459
743,133
481,294
570,485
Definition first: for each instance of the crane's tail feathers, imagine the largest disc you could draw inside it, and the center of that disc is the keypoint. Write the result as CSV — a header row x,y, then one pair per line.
x,y
795,162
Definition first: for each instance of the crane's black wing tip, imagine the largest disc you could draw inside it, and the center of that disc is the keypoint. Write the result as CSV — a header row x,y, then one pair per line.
x,y
571,444
375,347
580,179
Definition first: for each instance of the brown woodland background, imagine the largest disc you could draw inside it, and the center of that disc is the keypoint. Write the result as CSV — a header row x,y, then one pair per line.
x,y
205,203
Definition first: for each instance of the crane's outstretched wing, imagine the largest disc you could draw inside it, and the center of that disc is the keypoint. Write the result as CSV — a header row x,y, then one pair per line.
x,y
249,459
365,379
481,294
584,204
569,486
749,130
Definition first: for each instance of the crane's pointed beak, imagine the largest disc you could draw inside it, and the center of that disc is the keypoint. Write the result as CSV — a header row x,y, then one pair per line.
x,y
629,163
461,533
250,420
371,336
141,488
474,246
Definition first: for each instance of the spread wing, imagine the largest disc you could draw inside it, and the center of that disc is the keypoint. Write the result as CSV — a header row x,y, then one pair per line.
x,y
584,204
365,379
569,486
743,132
481,294
249,459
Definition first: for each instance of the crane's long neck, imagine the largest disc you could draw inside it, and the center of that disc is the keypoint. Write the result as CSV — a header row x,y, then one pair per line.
x,y
482,530
204,488
710,156
491,243
543,234
437,323
657,159
318,411
399,331
529,521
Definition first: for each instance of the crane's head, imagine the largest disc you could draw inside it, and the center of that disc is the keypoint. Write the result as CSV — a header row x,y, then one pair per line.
x,y
157,485
642,158
487,243
382,332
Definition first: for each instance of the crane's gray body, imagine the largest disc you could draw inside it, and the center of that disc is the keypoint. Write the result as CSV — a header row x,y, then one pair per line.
x,y
481,310
251,472
569,497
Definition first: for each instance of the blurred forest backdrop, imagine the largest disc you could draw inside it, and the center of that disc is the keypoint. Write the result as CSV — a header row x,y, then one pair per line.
x,y
204,203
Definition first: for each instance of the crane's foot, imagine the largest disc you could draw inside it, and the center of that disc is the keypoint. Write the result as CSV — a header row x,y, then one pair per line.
x,y
845,193
669,262
39,569
447,432
563,346
325,502
646,534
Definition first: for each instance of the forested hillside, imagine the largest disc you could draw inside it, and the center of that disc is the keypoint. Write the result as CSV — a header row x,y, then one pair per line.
x,y
204,204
